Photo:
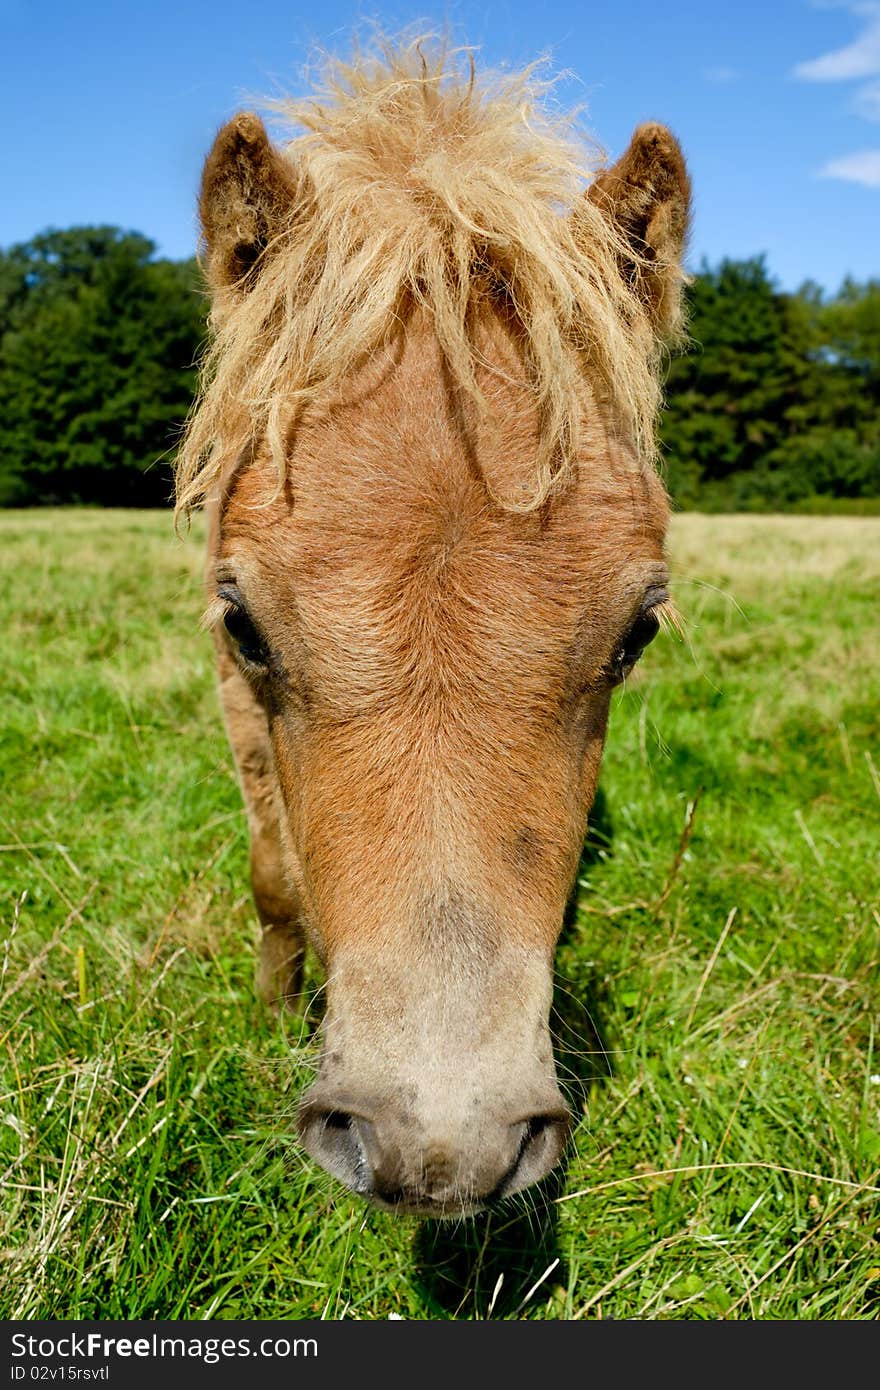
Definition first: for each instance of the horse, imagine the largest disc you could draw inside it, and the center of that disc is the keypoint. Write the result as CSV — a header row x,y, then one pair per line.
x,y
425,440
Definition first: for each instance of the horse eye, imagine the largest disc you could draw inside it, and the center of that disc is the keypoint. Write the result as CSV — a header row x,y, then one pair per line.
x,y
241,629
640,635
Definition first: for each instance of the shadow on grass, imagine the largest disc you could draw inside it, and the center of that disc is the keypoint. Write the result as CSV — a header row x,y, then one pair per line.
x,y
494,1260
598,846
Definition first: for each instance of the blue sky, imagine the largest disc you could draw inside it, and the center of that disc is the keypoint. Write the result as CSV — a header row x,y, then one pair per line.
x,y
109,107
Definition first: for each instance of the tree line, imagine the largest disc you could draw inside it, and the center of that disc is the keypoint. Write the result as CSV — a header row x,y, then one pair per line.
x,y
774,404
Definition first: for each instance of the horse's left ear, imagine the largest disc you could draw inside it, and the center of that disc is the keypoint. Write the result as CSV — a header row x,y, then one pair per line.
x,y
647,195
249,192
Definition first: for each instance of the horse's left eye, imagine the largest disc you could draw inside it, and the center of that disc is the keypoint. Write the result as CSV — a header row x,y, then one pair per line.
x,y
243,631
640,635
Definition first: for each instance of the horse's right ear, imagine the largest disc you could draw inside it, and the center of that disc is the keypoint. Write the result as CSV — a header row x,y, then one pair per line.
x,y
248,193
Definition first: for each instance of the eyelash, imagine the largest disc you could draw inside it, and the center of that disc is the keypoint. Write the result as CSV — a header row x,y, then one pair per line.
x,y
658,613
640,635
241,630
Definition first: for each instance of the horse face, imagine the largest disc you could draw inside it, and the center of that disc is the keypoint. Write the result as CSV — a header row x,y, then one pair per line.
x,y
418,633
435,670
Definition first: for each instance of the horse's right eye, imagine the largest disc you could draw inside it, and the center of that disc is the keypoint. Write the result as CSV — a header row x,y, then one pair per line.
x,y
243,631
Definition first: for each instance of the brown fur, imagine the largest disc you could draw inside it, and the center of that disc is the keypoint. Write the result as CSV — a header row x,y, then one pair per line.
x,y
420,753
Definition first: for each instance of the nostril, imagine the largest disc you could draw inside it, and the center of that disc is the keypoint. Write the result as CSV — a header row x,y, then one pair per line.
x,y
337,1119
543,1139
333,1138
536,1126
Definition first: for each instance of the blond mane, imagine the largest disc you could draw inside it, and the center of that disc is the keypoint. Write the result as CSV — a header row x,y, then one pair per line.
x,y
420,184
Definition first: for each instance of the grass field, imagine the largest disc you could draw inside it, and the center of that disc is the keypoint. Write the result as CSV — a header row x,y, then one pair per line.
x,y
716,1009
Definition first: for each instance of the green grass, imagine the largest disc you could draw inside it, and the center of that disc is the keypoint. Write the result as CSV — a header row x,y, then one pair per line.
x,y
715,1013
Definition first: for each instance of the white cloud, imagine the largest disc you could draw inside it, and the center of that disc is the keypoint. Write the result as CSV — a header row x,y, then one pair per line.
x,y
867,101
863,168
858,59
854,62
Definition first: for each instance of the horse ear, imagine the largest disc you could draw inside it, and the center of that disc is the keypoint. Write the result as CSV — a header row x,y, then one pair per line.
x,y
247,195
647,195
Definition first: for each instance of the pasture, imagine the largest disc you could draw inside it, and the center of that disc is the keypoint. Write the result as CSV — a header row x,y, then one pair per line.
x,y
717,976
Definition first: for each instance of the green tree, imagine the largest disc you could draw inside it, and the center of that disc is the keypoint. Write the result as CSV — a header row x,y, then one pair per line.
x,y
777,401
97,345
727,397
